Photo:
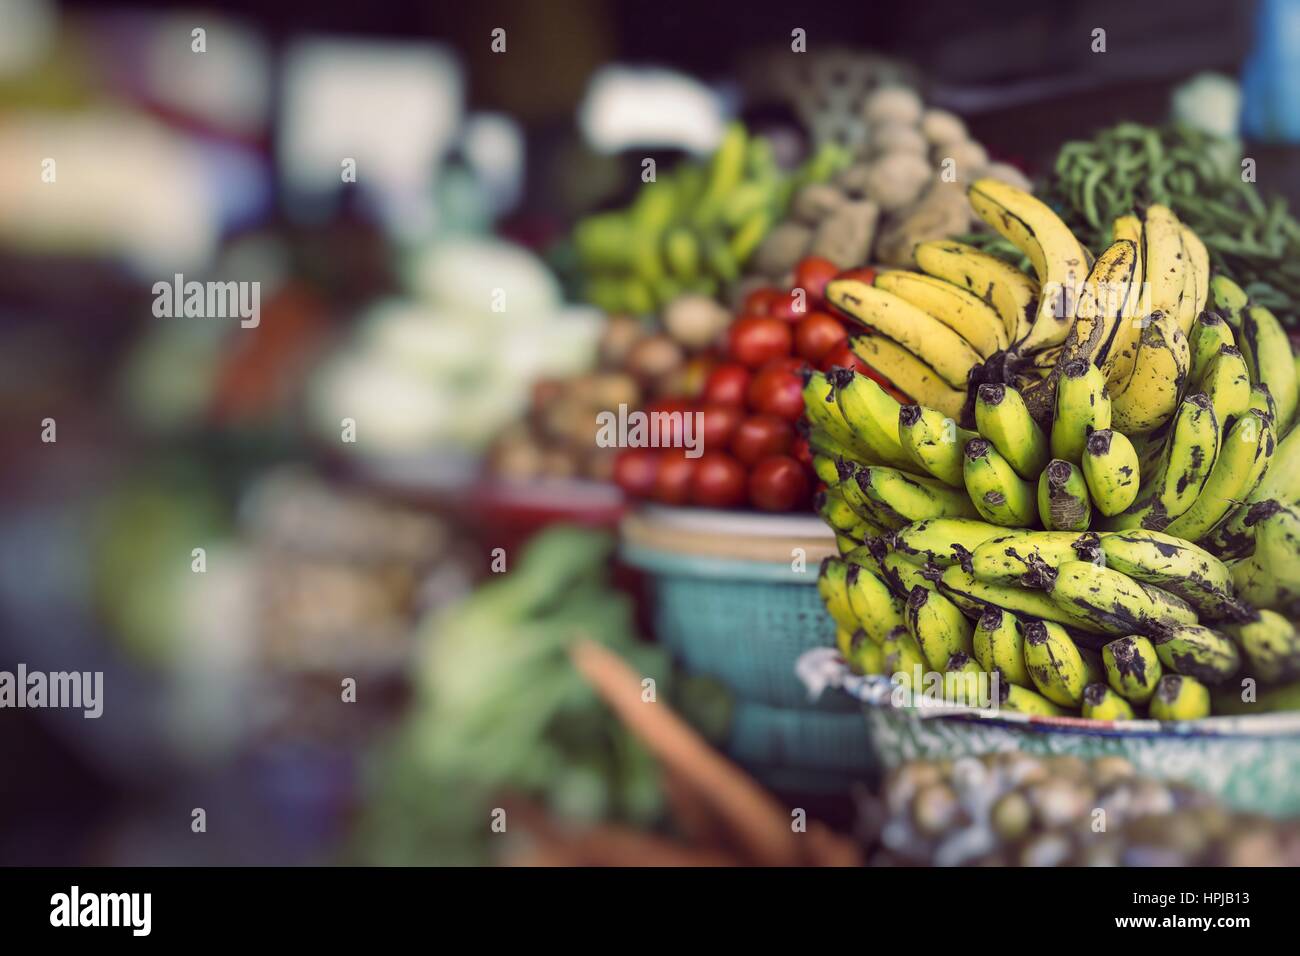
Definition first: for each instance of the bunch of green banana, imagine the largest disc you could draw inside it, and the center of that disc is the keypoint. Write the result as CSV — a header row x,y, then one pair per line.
x,y
1111,469
940,628
1063,501
690,229
1194,650
1082,407
934,442
1271,645
1270,578
1132,667
998,493
1056,665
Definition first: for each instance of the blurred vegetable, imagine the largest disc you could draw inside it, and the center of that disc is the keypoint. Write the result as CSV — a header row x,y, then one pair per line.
x,y
1252,241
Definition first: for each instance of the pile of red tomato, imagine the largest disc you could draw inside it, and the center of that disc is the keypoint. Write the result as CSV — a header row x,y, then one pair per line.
x,y
751,403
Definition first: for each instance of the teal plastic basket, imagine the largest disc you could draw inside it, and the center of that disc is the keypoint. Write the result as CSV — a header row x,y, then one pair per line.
x,y
744,623
801,750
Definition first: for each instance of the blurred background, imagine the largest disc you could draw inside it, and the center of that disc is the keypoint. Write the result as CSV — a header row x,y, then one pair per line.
x,y
383,173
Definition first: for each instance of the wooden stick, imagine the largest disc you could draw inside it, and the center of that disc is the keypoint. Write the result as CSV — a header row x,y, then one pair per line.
x,y
758,822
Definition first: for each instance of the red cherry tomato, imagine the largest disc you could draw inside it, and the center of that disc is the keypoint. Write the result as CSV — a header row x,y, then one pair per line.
x,y
801,451
760,301
726,385
718,481
812,274
673,482
792,306
635,470
817,334
865,274
719,424
777,391
760,436
778,483
671,430
755,340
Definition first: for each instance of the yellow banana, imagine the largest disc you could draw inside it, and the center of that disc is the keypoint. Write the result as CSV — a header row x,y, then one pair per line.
x,y
1008,558
1270,578
1227,383
1243,459
824,415
909,374
1165,263
1082,407
1182,471
871,413
1009,291
832,585
872,603
1110,467
1271,644
1101,703
904,576
1054,663
902,657
943,541
1144,398
1059,261
973,596
940,628
1209,334
950,355
934,442
1111,602
1124,340
1174,565
1022,700
835,511
904,498
1180,698
1002,418
965,313
1194,650
999,494
1229,300
1282,480
999,646
1063,502
1199,257
1132,667
1267,351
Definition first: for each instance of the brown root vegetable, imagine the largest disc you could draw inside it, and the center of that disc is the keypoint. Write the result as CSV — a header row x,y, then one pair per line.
x,y
654,357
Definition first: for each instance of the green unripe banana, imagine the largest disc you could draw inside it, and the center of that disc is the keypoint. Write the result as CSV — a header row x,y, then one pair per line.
x,y
961,681
934,442
846,545
1102,703
1132,667
1007,559
1063,502
1111,469
1270,578
1271,644
1109,601
865,655
1267,351
826,468
1082,407
1180,698
1002,417
999,646
903,659
1196,651
877,609
1261,399
835,511
1054,663
999,494
1227,383
1228,299
973,596
902,575
1175,565
1245,454
940,628
943,541
903,499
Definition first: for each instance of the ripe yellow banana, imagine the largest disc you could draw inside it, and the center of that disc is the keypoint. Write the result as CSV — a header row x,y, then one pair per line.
x,y
965,313
1166,264
1229,300
1063,502
1180,698
1132,667
909,374
1182,471
1199,258
1146,396
1174,565
1000,495
902,657
1243,459
1054,663
951,356
904,498
1194,650
1082,407
823,414
871,413
1022,700
1267,351
1002,418
1124,341
1059,260
940,628
973,596
1110,467
934,442
1009,291
999,646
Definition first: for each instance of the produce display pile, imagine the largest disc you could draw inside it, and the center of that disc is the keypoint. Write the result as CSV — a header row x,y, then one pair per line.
x,y
1200,177
1094,492
1015,809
